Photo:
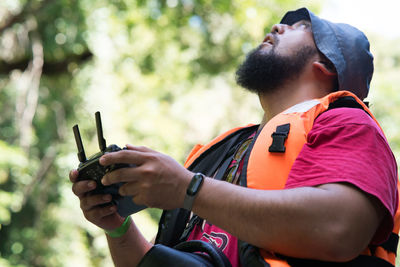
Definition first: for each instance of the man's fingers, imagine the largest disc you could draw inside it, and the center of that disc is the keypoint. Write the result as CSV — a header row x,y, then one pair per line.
x,y
95,215
138,148
89,202
133,190
122,156
129,189
73,175
127,174
82,187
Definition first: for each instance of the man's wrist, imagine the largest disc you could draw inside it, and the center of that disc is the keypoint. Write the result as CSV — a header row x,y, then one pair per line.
x,y
121,230
192,190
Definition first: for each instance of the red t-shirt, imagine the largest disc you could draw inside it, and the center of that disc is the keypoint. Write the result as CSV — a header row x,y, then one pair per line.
x,y
344,145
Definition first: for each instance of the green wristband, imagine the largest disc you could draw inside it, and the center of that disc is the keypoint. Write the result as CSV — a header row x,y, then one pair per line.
x,y
120,231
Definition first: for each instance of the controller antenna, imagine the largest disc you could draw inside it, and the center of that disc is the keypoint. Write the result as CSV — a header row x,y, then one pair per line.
x,y
78,140
102,141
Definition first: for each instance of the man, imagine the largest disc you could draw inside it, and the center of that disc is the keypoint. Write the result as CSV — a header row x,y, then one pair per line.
x,y
318,177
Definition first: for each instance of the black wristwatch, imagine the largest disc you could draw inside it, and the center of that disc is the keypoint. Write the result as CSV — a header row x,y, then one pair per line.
x,y
192,190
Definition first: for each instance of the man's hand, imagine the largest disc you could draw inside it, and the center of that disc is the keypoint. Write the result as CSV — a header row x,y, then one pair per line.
x,y
106,216
156,181
126,250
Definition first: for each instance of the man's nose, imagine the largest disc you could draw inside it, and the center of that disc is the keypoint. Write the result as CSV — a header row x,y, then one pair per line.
x,y
279,28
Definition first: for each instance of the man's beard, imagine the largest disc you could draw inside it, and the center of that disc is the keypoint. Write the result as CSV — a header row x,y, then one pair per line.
x,y
263,72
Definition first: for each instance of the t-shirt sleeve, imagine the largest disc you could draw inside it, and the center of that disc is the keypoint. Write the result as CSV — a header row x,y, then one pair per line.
x,y
346,145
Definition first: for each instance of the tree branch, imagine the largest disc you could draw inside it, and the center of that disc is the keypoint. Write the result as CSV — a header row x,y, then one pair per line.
x,y
49,67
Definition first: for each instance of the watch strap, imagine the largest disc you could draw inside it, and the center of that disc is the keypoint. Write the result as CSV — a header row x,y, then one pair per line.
x,y
192,190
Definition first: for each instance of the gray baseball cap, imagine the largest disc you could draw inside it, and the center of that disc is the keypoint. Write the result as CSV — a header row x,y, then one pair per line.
x,y
345,46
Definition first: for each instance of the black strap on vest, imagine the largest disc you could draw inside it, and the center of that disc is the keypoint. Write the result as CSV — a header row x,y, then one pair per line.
x,y
391,244
345,102
279,137
360,261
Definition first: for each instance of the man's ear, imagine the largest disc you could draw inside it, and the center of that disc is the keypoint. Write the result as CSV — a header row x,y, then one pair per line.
x,y
321,66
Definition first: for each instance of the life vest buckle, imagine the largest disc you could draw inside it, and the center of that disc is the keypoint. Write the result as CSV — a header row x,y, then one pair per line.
x,y
279,137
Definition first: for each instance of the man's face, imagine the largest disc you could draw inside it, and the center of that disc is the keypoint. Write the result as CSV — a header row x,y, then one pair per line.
x,y
281,57
284,39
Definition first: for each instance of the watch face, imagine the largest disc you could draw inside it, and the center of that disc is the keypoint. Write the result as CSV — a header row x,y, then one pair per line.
x,y
195,184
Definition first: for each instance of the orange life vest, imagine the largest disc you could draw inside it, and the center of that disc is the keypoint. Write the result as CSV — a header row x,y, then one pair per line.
x,y
269,171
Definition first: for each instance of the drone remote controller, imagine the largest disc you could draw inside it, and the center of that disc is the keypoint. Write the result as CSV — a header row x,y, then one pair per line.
x,y
90,169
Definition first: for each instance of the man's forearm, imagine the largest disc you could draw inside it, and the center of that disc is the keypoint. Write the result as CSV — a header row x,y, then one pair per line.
x,y
302,222
129,249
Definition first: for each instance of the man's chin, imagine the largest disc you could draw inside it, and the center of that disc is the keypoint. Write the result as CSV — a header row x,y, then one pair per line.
x,y
264,70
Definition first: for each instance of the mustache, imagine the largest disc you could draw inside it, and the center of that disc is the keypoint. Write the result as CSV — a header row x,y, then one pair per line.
x,y
272,39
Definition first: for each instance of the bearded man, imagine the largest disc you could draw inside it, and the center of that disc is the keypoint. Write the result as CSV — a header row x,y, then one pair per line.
x,y
314,184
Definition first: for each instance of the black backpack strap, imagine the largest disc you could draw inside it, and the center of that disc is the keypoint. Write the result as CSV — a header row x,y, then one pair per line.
x,y
190,226
250,256
173,222
217,257
193,253
171,226
209,162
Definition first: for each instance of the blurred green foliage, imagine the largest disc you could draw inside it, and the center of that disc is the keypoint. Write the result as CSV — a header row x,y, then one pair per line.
x,y
161,73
